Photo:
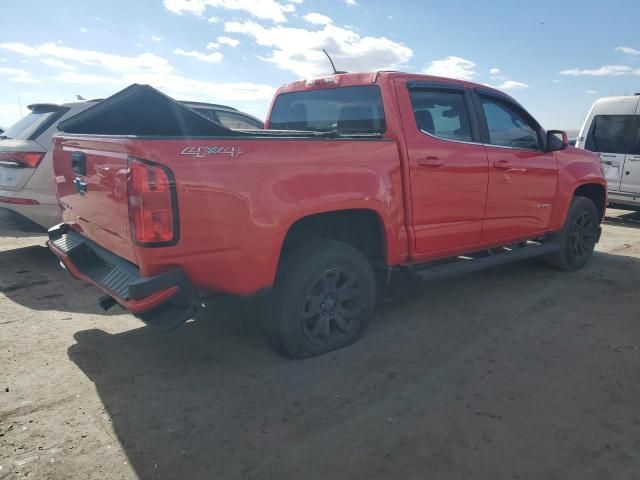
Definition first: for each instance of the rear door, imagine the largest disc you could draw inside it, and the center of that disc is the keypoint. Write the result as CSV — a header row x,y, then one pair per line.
x,y
522,175
631,172
448,166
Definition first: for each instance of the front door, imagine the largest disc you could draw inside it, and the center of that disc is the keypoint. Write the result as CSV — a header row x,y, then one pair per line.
x,y
522,176
448,167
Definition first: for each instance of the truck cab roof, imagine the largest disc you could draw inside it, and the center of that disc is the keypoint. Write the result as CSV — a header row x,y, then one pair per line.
x,y
364,78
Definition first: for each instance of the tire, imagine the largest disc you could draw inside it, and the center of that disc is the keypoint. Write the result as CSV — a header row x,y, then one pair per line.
x,y
578,236
323,299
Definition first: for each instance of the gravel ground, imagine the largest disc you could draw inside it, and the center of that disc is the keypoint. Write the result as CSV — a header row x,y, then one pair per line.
x,y
521,372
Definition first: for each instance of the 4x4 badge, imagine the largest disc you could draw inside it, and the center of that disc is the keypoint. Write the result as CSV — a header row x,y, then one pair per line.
x,y
232,151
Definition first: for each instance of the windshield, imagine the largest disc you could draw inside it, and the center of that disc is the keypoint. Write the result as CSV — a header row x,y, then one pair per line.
x,y
24,128
345,110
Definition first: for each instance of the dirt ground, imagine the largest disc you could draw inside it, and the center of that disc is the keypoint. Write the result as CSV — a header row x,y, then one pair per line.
x,y
521,372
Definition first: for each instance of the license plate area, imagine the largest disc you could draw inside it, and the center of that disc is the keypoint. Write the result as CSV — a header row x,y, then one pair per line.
x,y
9,176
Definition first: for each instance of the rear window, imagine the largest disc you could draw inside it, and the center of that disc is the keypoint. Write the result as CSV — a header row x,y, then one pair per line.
x,y
614,134
346,110
237,121
31,125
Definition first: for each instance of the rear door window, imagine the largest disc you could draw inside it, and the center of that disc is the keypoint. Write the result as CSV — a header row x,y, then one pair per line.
x,y
33,124
613,134
237,122
441,114
208,113
344,110
508,126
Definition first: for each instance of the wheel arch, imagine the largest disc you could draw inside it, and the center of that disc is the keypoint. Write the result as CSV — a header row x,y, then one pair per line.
x,y
362,228
595,192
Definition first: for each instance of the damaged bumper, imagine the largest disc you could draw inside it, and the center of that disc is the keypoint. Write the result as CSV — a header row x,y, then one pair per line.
x,y
165,300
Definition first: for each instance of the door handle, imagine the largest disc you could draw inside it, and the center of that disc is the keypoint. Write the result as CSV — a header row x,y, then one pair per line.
x,y
433,162
508,167
502,164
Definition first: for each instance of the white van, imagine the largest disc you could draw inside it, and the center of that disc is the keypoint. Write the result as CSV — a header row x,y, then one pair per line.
x,y
612,129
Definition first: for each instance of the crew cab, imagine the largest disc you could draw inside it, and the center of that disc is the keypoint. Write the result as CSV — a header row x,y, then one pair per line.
x,y
355,176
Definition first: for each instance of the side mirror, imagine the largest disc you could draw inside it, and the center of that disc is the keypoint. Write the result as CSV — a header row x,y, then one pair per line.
x,y
557,140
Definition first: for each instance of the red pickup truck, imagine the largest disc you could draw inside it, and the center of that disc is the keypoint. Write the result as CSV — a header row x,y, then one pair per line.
x,y
356,175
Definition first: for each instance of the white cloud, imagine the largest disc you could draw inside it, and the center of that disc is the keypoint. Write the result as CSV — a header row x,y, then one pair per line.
x,y
213,20
87,78
232,42
84,30
504,82
17,75
591,92
605,71
20,48
317,18
300,50
351,3
55,63
179,87
213,46
214,57
146,62
511,85
9,114
452,67
628,50
156,38
263,9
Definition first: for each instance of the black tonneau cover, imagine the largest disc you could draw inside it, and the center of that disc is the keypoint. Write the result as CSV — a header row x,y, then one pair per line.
x,y
142,110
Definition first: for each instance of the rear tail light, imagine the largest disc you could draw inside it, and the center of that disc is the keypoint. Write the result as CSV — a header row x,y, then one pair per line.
x,y
153,212
21,159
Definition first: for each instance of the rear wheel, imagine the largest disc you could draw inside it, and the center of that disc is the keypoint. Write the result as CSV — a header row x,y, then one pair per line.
x,y
578,237
323,299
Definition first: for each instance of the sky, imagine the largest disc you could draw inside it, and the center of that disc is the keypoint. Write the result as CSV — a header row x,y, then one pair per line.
x,y
554,57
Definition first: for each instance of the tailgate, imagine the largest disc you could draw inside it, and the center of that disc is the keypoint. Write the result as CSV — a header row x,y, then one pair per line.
x,y
91,162
91,178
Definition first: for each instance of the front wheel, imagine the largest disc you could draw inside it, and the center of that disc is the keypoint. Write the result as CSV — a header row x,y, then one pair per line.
x,y
323,299
578,236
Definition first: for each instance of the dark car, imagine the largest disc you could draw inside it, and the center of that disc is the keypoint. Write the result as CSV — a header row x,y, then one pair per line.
x,y
226,116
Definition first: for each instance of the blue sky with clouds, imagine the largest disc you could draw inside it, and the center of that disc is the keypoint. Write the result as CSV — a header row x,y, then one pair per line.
x,y
555,57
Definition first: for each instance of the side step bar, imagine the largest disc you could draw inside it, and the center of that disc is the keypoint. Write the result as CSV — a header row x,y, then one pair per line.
x,y
462,265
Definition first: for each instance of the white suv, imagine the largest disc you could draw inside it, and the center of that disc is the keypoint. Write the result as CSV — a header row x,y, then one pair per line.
x,y
27,189
612,129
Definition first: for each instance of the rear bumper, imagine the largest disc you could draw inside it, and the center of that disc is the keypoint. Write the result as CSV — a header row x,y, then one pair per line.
x,y
30,218
144,296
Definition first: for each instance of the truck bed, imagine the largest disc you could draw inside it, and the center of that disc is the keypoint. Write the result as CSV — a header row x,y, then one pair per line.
x,y
236,197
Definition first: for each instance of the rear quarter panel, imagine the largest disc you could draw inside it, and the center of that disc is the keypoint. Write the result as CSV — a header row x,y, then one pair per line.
x,y
235,211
